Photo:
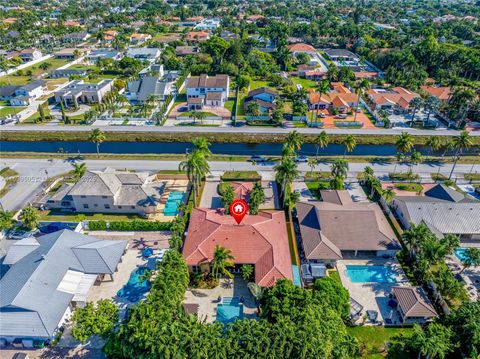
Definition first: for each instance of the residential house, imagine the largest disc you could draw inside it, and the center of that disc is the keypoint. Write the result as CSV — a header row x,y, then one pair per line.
x,y
143,53
340,97
197,36
300,48
137,24
78,91
137,38
186,50
71,23
443,93
70,53
263,97
166,39
207,24
255,18
152,70
444,211
413,305
24,95
337,227
47,277
104,54
205,90
76,37
28,55
397,99
139,91
66,73
110,191
110,35
261,241
7,92
341,55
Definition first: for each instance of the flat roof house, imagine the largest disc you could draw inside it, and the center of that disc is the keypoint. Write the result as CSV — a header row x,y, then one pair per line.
x,y
104,54
78,91
140,90
110,191
137,38
209,91
337,227
47,277
341,55
413,305
143,53
28,55
444,211
260,240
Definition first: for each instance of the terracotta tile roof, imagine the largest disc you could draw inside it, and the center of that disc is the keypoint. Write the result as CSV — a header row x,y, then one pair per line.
x,y
242,189
398,96
365,75
337,224
195,18
414,302
260,240
138,36
301,47
205,81
336,98
442,93
198,35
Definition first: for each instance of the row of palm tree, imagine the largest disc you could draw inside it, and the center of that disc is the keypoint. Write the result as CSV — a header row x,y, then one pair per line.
x,y
286,170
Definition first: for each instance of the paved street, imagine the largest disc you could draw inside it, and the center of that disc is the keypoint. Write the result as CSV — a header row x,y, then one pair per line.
x,y
32,172
244,130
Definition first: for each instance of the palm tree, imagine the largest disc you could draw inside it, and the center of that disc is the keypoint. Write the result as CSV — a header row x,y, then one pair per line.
x,y
97,137
321,141
228,195
286,172
398,159
367,174
431,105
415,158
312,163
350,143
294,141
359,90
415,104
257,197
471,259
323,89
460,142
79,170
256,290
414,236
201,144
433,144
339,168
222,258
247,271
30,217
388,195
404,142
197,167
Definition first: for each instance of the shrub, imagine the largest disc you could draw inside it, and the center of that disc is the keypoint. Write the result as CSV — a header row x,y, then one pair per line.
x,y
97,225
135,225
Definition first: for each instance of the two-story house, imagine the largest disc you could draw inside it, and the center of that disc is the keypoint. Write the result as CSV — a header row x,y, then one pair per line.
x,y
78,91
28,55
24,95
204,90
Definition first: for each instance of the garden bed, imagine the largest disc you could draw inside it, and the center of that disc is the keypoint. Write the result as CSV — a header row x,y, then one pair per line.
x,y
241,176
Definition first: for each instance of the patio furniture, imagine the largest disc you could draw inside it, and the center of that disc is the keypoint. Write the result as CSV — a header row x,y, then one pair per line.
x,y
372,315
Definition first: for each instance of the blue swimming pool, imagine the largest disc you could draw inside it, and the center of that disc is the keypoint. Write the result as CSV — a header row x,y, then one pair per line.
x,y
173,201
460,254
135,288
375,274
229,310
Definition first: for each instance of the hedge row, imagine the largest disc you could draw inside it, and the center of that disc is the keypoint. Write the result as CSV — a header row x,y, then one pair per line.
x,y
135,225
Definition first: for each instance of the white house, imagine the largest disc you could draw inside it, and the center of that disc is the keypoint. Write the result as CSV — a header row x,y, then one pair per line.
x,y
208,24
28,55
205,90
24,95
78,91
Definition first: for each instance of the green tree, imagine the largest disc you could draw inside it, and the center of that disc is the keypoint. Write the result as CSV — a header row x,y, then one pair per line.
x,y
339,168
294,141
41,113
460,142
222,259
323,89
360,88
388,195
433,143
90,321
415,158
312,163
285,174
350,143
247,271
30,217
404,143
197,167
202,145
415,105
97,137
465,323
228,195
433,342
79,170
6,219
257,197
332,293
321,141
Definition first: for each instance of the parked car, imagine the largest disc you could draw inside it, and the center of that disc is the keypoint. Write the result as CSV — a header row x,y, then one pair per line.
x,y
321,115
256,158
301,159
342,115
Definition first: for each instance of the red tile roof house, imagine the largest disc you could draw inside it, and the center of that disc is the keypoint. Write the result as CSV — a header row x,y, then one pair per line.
x,y
339,97
259,240
442,93
396,98
195,36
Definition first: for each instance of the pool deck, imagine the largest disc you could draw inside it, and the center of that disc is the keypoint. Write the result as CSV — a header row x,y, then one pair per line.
x,y
207,298
372,296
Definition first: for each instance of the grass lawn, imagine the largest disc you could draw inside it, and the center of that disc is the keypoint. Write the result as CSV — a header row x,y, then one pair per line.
x,y
53,83
318,174
372,340
410,187
181,98
332,273
314,187
438,177
472,176
53,215
82,67
14,80
36,116
306,84
255,84
230,104
10,110
3,103
241,175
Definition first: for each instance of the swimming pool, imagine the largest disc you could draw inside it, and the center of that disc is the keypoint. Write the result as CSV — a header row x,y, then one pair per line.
x,y
229,310
135,288
460,254
375,274
173,201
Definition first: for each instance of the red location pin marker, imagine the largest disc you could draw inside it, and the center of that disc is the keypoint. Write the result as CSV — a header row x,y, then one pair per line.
x,y
238,209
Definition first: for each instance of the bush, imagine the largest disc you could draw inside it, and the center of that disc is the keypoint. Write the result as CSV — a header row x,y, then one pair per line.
x,y
135,225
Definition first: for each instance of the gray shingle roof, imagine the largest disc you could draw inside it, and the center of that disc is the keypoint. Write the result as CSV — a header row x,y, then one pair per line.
x,y
414,302
446,193
30,304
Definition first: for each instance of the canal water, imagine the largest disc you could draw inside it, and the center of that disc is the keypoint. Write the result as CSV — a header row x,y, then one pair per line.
x,y
246,149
